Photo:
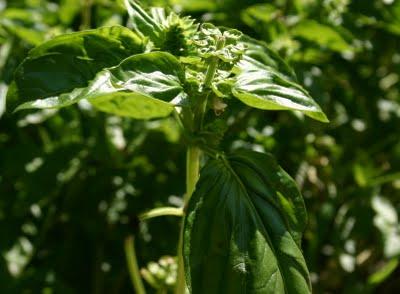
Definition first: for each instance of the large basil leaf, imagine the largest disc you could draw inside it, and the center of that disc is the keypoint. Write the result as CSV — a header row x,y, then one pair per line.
x,y
243,229
141,87
266,82
70,61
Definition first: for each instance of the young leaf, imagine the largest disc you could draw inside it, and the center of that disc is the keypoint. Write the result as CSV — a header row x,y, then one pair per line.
x,y
167,32
266,82
243,229
70,61
135,88
142,22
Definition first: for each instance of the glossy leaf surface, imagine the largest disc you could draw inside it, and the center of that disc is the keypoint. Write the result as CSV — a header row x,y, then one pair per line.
x,y
140,87
267,83
243,229
70,61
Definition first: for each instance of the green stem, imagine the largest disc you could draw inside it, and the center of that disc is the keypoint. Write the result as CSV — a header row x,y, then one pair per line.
x,y
133,267
86,14
192,174
193,161
161,212
213,65
210,74
192,171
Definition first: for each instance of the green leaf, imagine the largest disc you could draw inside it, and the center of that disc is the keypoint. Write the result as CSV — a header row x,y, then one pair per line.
x,y
141,87
260,14
70,61
21,23
243,229
195,6
265,82
167,32
69,9
142,22
259,56
323,35
383,273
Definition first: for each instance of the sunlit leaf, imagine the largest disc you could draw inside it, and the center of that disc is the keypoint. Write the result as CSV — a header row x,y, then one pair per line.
x,y
140,87
195,6
323,35
265,82
258,14
26,25
69,9
384,272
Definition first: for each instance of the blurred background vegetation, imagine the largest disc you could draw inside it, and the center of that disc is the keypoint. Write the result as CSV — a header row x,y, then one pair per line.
x,y
73,181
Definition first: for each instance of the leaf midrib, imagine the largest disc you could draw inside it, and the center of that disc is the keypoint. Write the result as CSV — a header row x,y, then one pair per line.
x,y
242,186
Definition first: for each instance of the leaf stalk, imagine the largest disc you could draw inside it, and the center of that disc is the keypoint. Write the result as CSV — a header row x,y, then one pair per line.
x,y
133,267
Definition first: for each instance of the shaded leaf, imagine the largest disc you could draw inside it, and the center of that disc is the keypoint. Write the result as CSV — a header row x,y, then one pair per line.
x,y
243,229
69,61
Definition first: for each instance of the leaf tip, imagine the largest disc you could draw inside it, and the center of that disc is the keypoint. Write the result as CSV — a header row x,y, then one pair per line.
x,y
18,108
319,116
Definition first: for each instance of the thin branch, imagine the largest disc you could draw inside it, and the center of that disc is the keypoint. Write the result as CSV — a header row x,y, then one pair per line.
x,y
161,212
133,267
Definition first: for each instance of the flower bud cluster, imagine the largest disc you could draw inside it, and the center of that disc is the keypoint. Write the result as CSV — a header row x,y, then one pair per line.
x,y
207,39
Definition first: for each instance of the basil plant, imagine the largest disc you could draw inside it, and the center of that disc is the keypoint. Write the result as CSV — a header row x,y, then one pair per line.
x,y
243,216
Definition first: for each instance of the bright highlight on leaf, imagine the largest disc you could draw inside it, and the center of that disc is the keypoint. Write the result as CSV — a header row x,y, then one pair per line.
x,y
266,82
78,66
135,88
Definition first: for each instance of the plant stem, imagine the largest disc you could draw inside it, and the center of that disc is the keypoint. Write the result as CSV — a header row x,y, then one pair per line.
x,y
192,171
161,211
192,174
133,267
213,65
210,74
86,15
193,161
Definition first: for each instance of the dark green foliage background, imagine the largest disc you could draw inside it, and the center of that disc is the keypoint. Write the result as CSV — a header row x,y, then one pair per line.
x,y
72,191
